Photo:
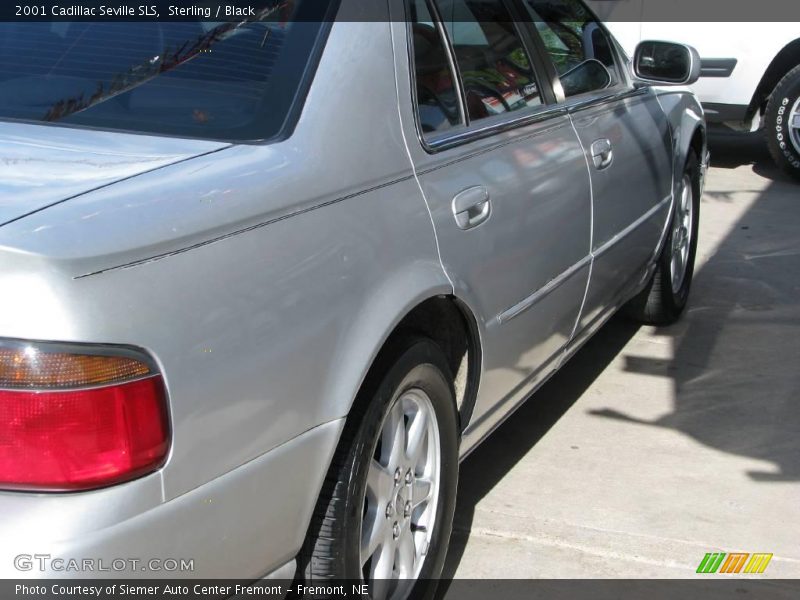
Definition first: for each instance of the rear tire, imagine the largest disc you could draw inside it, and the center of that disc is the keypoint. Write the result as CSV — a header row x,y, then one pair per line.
x,y
399,445
782,120
662,301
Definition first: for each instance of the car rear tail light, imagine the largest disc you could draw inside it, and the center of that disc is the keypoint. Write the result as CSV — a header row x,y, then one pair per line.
x,y
76,417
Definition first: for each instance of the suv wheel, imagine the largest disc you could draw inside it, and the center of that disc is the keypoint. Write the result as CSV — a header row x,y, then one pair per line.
x,y
385,512
783,123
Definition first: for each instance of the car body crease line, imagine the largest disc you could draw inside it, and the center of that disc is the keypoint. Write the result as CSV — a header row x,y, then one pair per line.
x,y
528,302
116,181
249,228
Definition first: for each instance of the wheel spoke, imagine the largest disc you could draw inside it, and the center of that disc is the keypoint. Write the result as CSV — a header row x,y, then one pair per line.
x,y
393,437
417,436
421,492
686,196
676,269
372,532
382,570
379,482
406,555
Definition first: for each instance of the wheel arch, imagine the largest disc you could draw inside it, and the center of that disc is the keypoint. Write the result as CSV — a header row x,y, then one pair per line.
x,y
698,141
687,123
450,323
445,319
784,61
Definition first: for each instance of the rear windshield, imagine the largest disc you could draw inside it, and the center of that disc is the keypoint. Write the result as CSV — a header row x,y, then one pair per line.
x,y
223,81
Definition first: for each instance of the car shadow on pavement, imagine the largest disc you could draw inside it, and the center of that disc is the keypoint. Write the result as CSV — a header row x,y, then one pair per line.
x,y
736,351
735,354
496,456
731,149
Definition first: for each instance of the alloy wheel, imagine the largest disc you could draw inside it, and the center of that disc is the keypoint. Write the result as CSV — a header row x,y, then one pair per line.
x,y
682,234
401,496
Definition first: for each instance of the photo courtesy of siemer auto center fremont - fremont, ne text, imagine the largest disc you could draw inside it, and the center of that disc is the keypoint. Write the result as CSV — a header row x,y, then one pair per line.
x,y
400,299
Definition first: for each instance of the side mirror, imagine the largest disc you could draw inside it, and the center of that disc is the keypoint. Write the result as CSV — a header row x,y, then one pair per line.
x,y
588,76
666,63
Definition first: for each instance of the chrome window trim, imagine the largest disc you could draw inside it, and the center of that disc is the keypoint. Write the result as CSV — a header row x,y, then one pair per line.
x,y
579,103
621,61
450,140
520,137
437,22
465,132
412,72
451,61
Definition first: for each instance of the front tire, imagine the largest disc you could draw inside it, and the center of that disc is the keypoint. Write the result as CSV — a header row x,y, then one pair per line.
x,y
386,508
662,301
783,123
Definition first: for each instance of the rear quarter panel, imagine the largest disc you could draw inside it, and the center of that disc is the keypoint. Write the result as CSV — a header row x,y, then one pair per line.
x,y
263,279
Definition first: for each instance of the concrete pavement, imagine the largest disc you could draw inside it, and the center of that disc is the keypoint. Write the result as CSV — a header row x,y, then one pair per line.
x,y
655,446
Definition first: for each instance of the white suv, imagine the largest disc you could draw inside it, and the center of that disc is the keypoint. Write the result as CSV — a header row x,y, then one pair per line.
x,y
750,72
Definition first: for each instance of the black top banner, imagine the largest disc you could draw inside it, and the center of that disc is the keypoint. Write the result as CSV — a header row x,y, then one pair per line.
x,y
109,10
708,11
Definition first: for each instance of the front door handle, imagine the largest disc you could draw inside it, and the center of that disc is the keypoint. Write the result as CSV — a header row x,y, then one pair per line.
x,y
602,154
471,207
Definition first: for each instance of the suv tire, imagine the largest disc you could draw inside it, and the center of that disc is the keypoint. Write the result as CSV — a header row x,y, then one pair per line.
x,y
783,137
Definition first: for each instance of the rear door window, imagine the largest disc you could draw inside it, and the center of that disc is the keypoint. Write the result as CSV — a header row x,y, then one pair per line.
x,y
438,104
496,72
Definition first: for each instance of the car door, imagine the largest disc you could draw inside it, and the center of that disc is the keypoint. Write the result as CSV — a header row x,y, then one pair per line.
x,y
506,183
626,140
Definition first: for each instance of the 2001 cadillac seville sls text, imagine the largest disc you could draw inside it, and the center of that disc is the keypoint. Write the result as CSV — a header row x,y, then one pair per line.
x,y
258,301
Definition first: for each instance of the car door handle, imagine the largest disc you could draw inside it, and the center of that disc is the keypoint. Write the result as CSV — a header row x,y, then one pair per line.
x,y
602,154
471,207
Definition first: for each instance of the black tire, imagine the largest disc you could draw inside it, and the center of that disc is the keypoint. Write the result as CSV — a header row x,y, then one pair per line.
x,y
783,98
658,303
332,546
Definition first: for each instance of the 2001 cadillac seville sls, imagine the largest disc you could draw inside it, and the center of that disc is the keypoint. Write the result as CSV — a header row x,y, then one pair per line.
x,y
264,283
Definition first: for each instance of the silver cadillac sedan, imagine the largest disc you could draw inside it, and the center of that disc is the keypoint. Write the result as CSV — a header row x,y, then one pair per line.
x,y
265,283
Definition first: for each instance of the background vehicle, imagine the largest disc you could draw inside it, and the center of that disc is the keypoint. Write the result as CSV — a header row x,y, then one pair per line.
x,y
750,76
274,333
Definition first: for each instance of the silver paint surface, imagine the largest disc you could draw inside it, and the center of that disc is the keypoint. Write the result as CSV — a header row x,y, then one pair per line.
x,y
264,280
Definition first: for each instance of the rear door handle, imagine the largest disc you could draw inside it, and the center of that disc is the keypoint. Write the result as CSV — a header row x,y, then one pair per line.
x,y
471,207
602,154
